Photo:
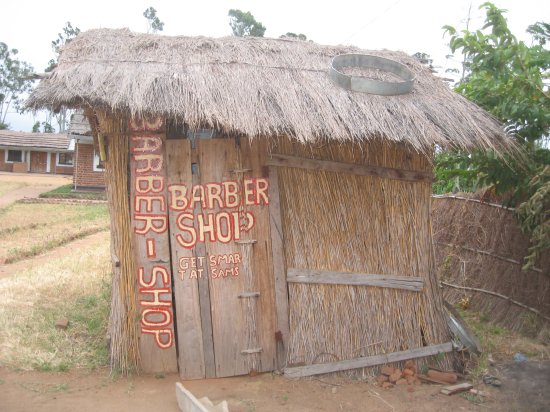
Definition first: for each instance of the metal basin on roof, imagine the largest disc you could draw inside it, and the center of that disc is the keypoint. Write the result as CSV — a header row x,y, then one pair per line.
x,y
365,84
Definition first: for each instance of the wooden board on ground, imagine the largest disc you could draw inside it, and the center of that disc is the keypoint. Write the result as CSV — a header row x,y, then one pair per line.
x,y
318,369
460,387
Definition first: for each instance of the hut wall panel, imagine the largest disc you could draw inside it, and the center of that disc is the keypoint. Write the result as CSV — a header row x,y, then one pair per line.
x,y
148,200
252,320
191,357
348,223
253,157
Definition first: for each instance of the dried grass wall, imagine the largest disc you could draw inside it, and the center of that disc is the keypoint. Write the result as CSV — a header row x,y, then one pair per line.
x,y
344,222
123,327
476,246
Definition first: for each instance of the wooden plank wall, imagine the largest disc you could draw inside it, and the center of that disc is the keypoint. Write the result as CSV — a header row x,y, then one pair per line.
x,y
148,198
221,257
187,269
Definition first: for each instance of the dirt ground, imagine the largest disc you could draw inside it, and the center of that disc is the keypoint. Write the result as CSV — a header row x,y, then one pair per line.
x,y
524,388
35,183
524,385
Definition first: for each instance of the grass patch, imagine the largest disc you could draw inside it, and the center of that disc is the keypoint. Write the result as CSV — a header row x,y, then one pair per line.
x,y
66,192
75,287
31,229
6,187
499,342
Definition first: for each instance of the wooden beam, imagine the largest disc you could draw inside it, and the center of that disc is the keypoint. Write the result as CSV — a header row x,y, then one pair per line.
x,y
498,295
277,253
204,298
338,167
320,368
356,279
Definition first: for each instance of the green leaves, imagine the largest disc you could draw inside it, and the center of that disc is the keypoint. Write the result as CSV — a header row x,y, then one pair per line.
x,y
153,22
506,77
244,24
14,80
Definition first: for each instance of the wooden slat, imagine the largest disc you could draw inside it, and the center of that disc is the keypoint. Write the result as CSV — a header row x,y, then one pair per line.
x,y
152,254
206,317
205,302
357,279
253,157
277,251
338,167
363,362
216,158
188,315
460,387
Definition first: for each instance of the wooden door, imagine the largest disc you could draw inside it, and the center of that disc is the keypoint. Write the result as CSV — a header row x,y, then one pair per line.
x,y
221,257
39,162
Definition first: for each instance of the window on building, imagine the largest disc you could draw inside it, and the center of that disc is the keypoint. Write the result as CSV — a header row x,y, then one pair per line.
x,y
14,156
99,165
64,159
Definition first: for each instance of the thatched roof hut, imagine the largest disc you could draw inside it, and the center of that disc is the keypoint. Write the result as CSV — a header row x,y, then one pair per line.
x,y
295,229
257,87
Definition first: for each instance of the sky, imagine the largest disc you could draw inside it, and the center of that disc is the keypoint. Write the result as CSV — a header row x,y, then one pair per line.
x,y
409,26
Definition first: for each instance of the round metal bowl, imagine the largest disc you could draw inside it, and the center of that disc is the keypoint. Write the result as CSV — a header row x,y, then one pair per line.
x,y
366,85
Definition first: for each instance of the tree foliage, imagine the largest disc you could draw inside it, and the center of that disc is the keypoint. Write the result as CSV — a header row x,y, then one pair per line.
x,y
244,24
506,77
291,35
154,24
14,81
46,127
68,33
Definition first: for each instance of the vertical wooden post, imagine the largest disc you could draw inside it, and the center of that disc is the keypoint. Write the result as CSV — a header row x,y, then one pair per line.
x,y
149,212
279,270
204,296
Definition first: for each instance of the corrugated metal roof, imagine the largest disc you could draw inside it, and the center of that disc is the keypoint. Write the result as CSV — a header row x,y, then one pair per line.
x,y
57,141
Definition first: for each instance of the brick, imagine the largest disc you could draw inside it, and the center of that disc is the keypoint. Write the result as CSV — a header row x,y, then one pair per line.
x,y
407,372
442,376
62,323
395,376
387,385
387,370
381,379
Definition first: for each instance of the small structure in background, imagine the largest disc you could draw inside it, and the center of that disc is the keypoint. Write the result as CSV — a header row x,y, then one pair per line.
x,y
22,152
89,170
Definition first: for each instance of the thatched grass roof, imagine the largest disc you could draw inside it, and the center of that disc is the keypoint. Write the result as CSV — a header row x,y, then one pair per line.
x,y
257,87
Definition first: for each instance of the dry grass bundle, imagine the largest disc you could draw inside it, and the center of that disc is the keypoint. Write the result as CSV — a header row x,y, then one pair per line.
x,y
31,301
123,325
482,246
349,223
258,87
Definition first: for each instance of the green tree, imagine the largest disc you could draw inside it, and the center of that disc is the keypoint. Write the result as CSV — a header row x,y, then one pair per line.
x,y
154,24
67,34
46,127
244,24
15,82
291,35
506,77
